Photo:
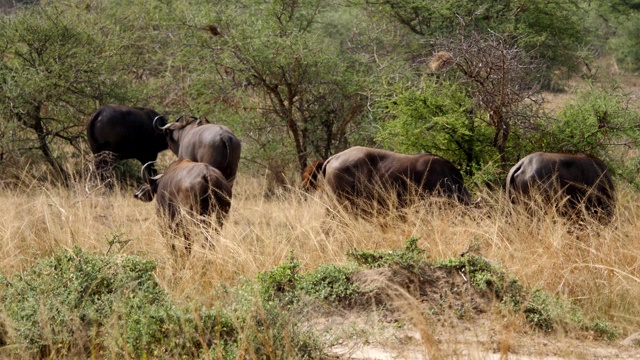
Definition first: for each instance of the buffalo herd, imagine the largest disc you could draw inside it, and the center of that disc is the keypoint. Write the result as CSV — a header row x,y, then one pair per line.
x,y
199,184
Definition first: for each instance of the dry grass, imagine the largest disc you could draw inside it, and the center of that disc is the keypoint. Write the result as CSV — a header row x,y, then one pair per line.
x,y
597,267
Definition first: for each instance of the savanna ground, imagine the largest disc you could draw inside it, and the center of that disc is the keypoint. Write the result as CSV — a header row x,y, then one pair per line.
x,y
595,267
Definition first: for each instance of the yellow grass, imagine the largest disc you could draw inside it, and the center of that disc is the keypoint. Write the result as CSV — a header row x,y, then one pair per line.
x,y
597,267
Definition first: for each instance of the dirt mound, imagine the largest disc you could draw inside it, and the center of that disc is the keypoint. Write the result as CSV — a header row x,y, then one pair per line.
x,y
440,290
436,312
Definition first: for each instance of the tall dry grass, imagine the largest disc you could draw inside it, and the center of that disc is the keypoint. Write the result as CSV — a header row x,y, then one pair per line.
x,y
597,267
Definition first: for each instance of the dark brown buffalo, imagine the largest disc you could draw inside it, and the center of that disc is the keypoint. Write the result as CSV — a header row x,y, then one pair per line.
x,y
212,144
117,132
311,175
361,174
568,181
187,188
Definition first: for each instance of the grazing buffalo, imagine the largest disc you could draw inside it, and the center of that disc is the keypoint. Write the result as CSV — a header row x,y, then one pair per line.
x,y
568,181
363,176
187,189
310,176
117,132
212,144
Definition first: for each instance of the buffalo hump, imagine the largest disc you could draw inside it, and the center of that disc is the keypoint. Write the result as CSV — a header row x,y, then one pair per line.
x,y
571,181
361,174
212,144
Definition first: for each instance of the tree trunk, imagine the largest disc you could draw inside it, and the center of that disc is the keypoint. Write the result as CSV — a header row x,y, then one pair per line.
x,y
38,127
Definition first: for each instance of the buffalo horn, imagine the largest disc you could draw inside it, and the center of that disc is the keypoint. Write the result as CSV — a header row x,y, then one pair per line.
x,y
144,174
156,126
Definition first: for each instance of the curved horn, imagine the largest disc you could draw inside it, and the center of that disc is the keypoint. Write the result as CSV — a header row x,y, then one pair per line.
x,y
144,174
156,125
179,119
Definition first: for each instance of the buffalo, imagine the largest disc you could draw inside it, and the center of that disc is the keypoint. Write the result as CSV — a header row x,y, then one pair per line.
x,y
362,176
212,144
117,132
566,181
187,189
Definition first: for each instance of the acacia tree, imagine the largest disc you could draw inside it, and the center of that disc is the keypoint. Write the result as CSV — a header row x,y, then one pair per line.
x,y
52,71
500,78
555,30
276,55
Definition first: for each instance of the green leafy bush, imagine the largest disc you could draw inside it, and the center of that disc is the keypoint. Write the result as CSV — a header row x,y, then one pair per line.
x,y
281,282
77,303
439,118
409,257
599,122
331,283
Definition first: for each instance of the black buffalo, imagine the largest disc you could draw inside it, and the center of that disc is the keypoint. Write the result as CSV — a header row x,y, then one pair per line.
x,y
361,176
213,144
187,190
566,181
117,132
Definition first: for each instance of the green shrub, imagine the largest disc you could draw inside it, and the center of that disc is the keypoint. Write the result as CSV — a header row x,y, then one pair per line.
x,y
542,310
439,118
410,257
600,123
331,283
77,303
485,276
602,330
280,283
538,310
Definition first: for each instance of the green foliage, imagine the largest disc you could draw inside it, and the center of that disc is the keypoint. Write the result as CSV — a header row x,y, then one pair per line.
x,y
281,283
600,123
439,118
485,276
602,330
306,84
330,283
538,310
542,310
409,257
552,30
73,300
55,64
268,312
622,18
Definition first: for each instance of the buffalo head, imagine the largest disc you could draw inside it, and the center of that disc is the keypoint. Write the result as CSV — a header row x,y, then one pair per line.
x,y
311,176
173,131
125,132
148,190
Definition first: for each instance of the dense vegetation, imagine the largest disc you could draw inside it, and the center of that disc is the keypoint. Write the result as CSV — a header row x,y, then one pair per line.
x,y
301,80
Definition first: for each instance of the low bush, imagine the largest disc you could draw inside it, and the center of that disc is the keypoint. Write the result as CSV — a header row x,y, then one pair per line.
x,y
78,304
